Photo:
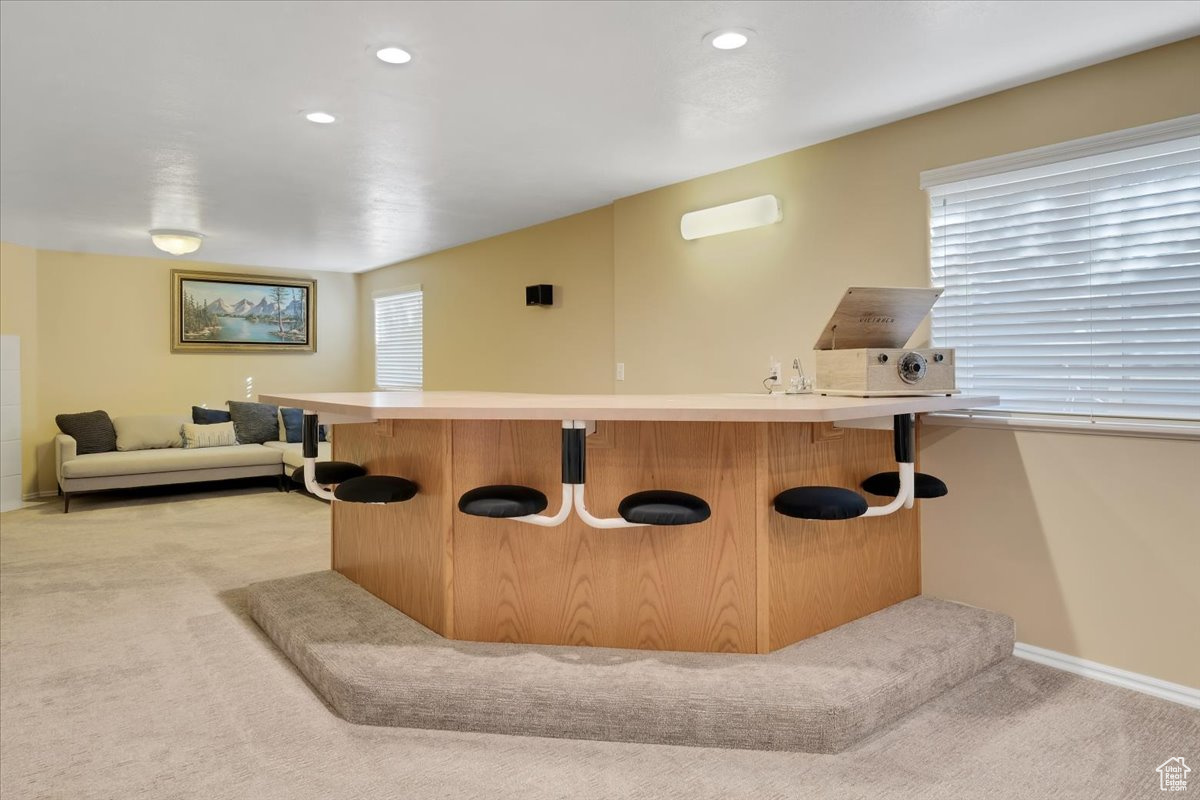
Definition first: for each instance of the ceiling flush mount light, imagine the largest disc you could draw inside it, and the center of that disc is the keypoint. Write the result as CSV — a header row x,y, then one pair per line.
x,y
393,55
177,243
739,216
320,117
729,38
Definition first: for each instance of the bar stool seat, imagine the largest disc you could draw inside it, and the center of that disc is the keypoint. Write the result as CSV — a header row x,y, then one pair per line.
x,y
663,507
330,472
375,489
820,502
502,502
887,484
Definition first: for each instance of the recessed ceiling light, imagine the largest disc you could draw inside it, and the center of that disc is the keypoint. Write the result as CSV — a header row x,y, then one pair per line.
x,y
393,55
729,38
320,117
177,243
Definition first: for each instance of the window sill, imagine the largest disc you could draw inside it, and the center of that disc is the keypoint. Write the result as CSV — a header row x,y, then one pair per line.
x,y
1144,429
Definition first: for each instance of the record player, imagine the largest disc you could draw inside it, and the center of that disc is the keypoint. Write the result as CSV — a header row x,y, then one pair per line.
x,y
862,353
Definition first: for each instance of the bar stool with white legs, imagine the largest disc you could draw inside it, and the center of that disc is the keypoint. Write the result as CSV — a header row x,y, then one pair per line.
x,y
834,503
525,504
521,503
347,482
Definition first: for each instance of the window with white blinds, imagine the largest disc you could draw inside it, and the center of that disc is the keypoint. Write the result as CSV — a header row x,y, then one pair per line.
x,y
399,339
1073,287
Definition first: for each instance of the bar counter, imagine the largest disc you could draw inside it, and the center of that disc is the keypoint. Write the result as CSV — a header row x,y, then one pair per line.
x,y
746,580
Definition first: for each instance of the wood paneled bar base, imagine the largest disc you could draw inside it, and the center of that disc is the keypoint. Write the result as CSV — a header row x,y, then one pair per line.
x,y
746,580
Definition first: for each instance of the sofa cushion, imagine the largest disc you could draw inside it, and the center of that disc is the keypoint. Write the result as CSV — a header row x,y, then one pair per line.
x,y
149,431
209,416
92,431
140,462
254,423
291,426
293,454
216,434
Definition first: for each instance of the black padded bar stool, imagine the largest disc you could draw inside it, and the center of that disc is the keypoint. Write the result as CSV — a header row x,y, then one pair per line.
x,y
502,502
650,507
663,507
375,489
353,484
507,501
820,502
887,484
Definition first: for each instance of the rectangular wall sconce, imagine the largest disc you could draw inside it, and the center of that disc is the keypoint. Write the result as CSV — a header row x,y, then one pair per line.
x,y
739,216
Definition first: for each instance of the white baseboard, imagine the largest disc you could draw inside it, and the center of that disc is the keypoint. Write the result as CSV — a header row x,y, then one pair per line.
x,y
1165,690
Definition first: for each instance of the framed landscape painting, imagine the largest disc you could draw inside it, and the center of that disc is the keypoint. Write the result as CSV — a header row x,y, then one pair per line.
x,y
217,312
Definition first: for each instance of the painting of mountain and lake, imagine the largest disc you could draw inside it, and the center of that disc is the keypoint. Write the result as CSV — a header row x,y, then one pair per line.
x,y
216,312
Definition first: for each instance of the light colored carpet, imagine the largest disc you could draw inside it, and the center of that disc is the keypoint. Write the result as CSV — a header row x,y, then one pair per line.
x,y
129,669
377,666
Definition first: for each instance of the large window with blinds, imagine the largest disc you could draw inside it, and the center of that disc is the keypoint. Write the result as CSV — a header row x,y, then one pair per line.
x,y
1072,285
399,339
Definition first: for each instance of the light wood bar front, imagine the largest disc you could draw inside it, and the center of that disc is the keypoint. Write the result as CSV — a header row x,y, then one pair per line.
x,y
746,580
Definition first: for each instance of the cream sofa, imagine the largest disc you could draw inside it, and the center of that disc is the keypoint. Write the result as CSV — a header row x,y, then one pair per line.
x,y
123,469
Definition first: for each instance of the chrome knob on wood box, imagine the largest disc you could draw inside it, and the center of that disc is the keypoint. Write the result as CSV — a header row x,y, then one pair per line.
x,y
861,352
912,367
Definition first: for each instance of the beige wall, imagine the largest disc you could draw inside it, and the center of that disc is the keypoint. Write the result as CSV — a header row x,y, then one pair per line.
x,y
102,341
478,332
18,317
1089,542
1083,539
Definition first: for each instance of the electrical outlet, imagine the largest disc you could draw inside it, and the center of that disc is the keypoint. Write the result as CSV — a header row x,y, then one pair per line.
x,y
773,370
620,370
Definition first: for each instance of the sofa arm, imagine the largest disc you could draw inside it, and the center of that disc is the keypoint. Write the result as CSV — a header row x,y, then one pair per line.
x,y
64,451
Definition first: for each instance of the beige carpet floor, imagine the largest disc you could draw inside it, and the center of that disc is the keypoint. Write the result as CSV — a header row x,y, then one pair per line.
x,y
129,669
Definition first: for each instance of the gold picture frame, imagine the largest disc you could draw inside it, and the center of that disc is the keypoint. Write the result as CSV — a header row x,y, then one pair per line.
x,y
226,312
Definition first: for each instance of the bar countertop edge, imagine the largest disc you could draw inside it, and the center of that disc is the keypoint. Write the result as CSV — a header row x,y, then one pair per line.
x,y
369,406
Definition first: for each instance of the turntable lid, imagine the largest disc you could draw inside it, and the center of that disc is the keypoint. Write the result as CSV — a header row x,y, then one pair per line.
x,y
876,316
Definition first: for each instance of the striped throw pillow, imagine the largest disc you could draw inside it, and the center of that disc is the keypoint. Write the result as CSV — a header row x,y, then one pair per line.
x,y
219,434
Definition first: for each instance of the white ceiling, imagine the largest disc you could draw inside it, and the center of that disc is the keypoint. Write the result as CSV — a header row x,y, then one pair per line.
x,y
118,117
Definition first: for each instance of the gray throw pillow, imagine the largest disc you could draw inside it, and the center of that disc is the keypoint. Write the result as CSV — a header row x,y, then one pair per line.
x,y
254,423
93,431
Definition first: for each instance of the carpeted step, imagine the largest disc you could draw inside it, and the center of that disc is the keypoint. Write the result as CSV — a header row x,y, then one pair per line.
x,y
376,666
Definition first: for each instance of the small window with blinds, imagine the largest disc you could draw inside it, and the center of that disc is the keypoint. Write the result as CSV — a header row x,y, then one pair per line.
x,y
1072,287
399,339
